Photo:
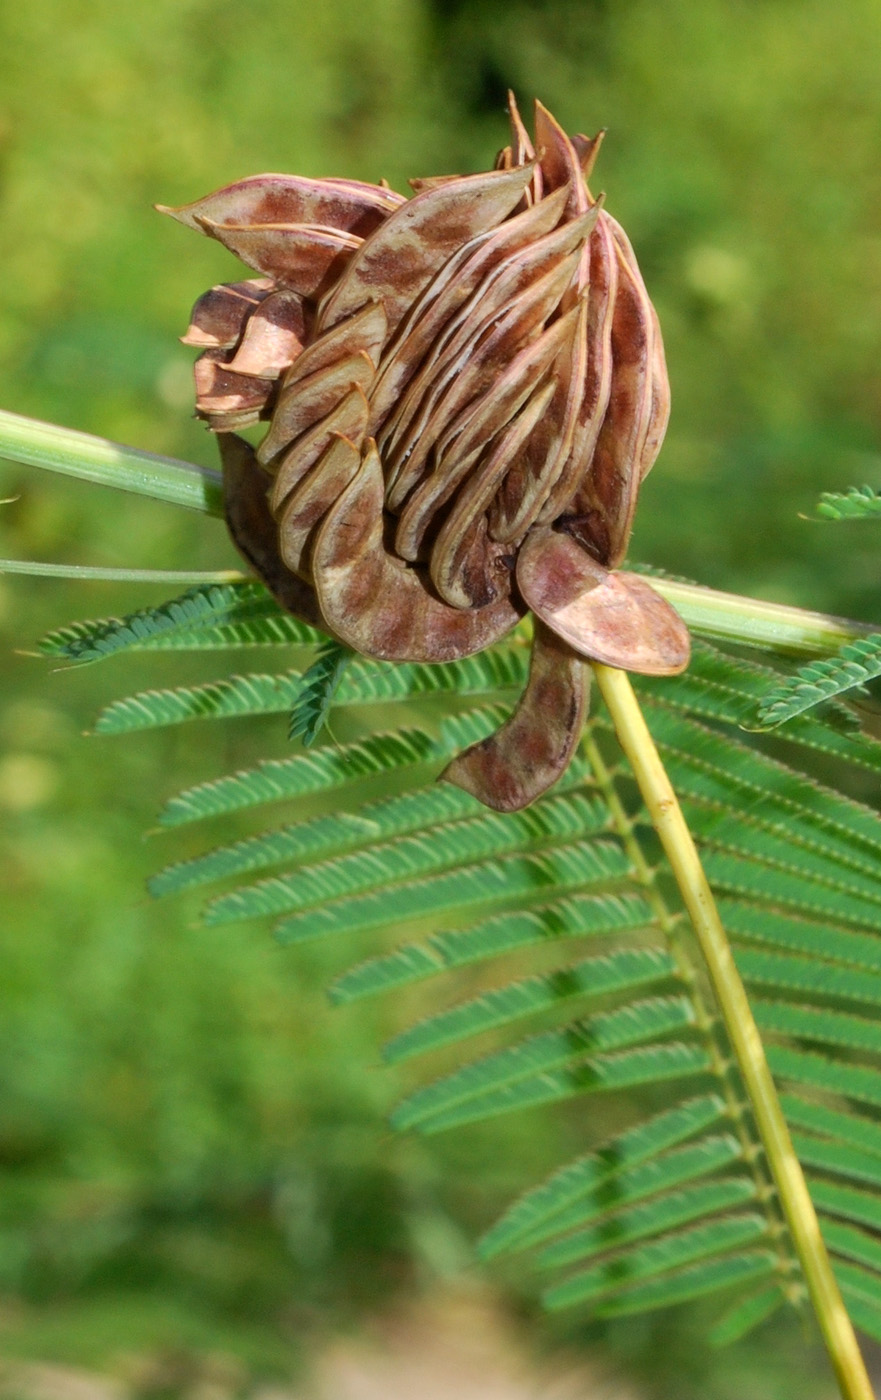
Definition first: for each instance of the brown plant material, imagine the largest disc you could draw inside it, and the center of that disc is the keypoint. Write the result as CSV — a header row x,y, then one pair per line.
x,y
464,391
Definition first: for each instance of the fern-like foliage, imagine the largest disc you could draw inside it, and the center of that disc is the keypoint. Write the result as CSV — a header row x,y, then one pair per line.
x,y
317,691
563,963
204,618
855,665
858,503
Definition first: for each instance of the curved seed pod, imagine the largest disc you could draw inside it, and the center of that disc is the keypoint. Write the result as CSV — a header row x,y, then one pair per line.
x,y
464,391
225,398
455,283
601,293
349,205
219,316
359,337
315,397
272,338
530,281
600,512
480,421
559,161
304,257
365,330
533,748
310,501
399,260
378,604
544,455
479,403
615,618
253,528
348,418
522,150
463,568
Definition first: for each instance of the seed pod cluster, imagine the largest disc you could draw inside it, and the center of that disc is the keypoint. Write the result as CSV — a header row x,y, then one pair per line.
x,y
464,391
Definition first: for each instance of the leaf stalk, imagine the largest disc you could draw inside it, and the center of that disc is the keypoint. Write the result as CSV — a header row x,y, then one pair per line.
x,y
109,463
660,799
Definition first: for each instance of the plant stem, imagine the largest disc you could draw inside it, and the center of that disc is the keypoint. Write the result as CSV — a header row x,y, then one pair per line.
x,y
89,571
725,617
660,799
109,463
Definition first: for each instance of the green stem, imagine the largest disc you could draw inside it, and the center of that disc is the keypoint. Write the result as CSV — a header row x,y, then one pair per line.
x,y
88,571
727,617
723,616
746,1042
109,463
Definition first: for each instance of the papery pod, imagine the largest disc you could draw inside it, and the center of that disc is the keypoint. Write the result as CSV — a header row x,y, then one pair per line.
x,y
464,391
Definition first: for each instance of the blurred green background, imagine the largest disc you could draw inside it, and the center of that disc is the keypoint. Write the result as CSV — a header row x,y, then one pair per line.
x,y
193,1161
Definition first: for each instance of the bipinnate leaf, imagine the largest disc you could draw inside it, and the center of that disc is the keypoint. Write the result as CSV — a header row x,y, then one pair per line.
x,y
854,666
572,976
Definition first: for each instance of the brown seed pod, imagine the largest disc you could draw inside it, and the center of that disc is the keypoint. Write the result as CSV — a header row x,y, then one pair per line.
x,y
464,391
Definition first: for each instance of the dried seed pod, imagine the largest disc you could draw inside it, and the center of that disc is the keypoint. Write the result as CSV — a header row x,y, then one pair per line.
x,y
464,391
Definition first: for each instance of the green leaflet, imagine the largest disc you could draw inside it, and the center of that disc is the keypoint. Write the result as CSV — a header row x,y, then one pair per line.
x,y
652,1218
743,1317
315,696
578,1179
593,977
718,687
505,881
599,1073
694,1282
825,943
310,695
862,1133
582,916
323,771
848,1202
716,769
806,975
817,1024
798,889
318,837
853,1244
821,1155
229,614
623,1270
398,859
817,1072
856,664
253,694
654,1180
540,1053
858,503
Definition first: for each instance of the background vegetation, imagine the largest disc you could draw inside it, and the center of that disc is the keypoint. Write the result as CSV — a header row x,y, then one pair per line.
x,y
192,1154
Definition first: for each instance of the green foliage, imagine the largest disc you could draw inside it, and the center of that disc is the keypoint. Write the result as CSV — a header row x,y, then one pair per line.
x,y
855,665
317,690
858,503
576,975
204,618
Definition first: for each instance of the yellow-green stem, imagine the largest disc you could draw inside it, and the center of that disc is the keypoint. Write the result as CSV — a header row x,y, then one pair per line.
x,y
108,463
660,799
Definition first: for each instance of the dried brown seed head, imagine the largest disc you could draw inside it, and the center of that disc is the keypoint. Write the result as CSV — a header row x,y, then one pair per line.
x,y
456,384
